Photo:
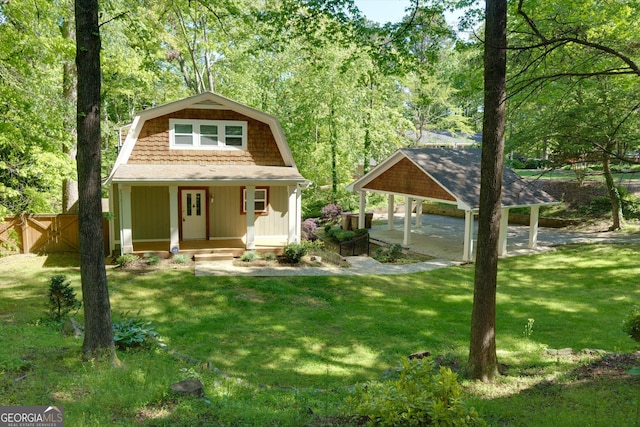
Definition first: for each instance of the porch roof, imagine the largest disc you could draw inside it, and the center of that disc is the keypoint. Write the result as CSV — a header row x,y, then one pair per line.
x,y
167,173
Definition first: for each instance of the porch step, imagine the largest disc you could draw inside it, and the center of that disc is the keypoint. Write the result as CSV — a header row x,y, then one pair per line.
x,y
213,256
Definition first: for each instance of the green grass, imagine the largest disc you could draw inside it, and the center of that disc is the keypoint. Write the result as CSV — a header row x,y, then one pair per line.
x,y
569,175
271,350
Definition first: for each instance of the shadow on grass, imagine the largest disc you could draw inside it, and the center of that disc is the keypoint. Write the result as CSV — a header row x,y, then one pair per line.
x,y
599,392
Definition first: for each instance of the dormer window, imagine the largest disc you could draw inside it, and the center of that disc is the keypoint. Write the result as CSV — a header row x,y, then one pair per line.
x,y
207,134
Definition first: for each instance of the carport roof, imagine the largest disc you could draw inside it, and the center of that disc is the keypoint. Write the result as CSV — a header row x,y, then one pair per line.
x,y
447,175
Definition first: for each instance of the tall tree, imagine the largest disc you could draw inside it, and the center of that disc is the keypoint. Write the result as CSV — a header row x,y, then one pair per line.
x,y
483,361
98,337
588,43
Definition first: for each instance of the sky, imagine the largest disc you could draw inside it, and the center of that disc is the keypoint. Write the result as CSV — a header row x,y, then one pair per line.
x,y
383,11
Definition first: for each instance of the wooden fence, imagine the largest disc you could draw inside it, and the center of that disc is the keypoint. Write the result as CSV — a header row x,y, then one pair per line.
x,y
45,233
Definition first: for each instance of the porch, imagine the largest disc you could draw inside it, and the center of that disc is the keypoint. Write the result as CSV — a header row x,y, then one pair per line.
x,y
222,247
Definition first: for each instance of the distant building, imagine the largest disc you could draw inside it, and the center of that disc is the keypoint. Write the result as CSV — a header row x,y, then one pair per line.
x,y
445,139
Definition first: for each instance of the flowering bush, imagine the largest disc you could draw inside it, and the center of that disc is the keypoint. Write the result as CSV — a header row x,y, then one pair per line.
x,y
331,212
308,227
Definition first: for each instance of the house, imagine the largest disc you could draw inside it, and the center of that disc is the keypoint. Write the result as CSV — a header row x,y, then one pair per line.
x,y
204,172
448,176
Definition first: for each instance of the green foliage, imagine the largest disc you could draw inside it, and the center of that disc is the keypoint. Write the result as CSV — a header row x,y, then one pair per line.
x,y
631,325
340,235
388,253
126,260
180,259
249,256
151,259
294,252
422,396
10,246
133,334
62,298
269,256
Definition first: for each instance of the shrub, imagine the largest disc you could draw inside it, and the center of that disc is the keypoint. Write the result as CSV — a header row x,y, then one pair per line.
x,y
631,325
133,333
269,256
388,254
309,226
126,260
249,256
341,235
180,259
331,212
421,396
62,299
152,259
294,252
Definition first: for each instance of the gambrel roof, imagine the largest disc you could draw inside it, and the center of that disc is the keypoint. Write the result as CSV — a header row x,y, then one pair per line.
x,y
143,163
445,175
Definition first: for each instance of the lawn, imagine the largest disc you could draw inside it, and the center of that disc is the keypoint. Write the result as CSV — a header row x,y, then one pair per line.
x,y
287,351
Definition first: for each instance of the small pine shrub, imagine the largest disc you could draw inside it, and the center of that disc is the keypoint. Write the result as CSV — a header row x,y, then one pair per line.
x,y
421,396
249,256
62,298
631,325
180,259
133,334
294,252
126,260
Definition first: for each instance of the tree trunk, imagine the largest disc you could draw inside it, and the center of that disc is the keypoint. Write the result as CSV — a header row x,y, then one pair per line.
x,y
483,362
616,203
69,91
98,333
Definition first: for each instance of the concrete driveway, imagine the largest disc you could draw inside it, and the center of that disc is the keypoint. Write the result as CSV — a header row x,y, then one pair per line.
x,y
442,237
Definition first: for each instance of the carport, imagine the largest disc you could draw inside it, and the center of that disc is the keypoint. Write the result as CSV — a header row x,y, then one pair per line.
x,y
449,176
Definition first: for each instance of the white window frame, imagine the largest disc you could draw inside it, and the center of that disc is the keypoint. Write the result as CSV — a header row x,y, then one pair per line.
x,y
257,199
196,145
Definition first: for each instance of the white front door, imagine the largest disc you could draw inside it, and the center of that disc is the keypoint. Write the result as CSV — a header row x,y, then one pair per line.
x,y
194,214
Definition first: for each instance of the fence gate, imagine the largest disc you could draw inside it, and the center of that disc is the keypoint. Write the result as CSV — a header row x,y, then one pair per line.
x,y
45,233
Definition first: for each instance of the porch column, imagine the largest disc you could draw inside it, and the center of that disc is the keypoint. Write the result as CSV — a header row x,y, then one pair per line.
x,y
126,235
295,214
174,218
408,202
419,213
533,227
468,236
112,223
363,206
251,217
504,231
390,209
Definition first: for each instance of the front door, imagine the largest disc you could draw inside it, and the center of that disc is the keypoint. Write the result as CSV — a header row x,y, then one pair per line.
x,y
194,214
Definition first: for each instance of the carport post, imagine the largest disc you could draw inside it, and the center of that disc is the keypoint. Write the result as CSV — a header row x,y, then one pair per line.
x,y
418,213
533,227
363,207
408,204
468,236
504,231
390,210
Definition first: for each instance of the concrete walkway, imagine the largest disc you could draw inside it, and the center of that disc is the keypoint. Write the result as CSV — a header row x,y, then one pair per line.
x,y
439,236
358,266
